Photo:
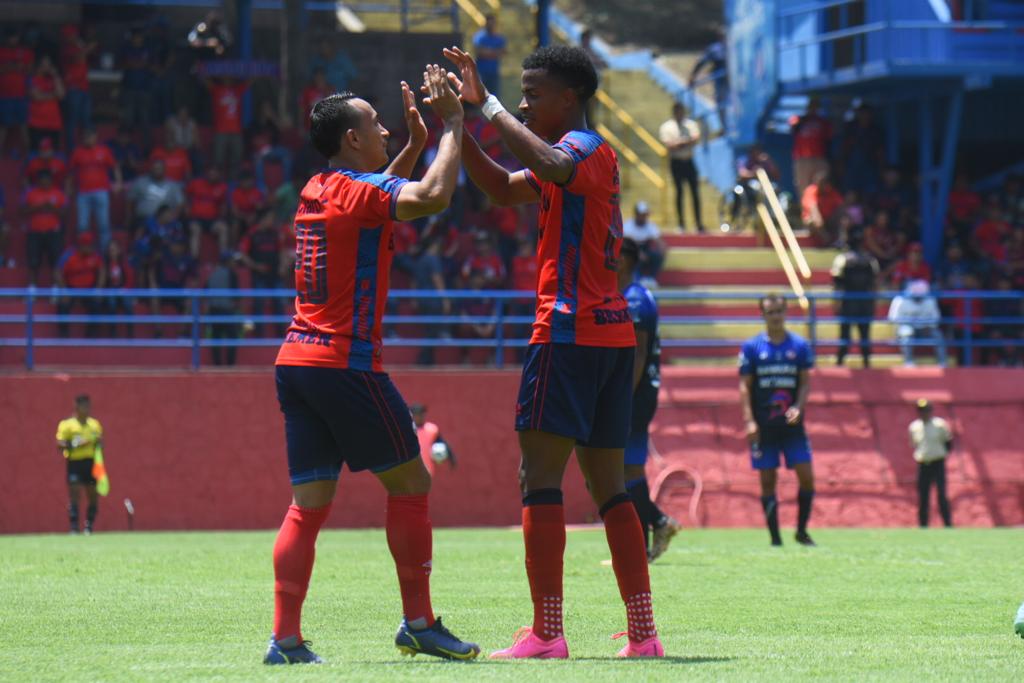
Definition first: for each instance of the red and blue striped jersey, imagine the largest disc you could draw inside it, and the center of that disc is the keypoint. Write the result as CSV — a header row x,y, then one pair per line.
x,y
580,233
343,252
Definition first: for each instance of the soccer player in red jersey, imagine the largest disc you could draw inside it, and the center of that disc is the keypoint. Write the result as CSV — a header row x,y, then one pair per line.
x,y
576,389
339,406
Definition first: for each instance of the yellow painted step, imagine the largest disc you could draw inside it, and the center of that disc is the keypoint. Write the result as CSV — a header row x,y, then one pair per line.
x,y
695,258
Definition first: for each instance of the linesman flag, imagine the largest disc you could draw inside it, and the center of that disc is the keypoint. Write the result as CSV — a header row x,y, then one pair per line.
x,y
99,473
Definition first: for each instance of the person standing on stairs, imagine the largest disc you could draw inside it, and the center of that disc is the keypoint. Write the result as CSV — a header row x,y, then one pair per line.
x,y
680,134
855,277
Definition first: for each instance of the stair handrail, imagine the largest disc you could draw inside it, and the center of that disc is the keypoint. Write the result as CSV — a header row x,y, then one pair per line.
x,y
780,251
631,156
475,14
622,115
787,230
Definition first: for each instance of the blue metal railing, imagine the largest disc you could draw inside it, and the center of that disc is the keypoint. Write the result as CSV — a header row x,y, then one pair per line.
x,y
195,318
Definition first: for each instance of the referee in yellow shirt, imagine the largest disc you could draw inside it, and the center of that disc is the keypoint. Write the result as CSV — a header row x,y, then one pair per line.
x,y
932,441
78,437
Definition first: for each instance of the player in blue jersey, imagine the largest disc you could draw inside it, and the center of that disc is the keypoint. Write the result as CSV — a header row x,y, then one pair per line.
x,y
774,384
646,381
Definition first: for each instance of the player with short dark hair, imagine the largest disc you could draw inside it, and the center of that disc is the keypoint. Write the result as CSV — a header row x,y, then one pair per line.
x,y
78,437
646,382
339,407
774,385
577,377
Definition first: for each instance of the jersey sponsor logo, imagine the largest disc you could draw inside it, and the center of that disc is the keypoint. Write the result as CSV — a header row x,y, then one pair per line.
x,y
310,206
780,403
317,338
605,316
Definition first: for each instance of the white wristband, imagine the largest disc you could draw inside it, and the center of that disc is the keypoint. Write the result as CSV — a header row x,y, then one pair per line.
x,y
491,107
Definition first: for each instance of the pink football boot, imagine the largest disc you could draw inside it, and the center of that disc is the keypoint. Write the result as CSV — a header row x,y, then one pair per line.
x,y
529,646
644,648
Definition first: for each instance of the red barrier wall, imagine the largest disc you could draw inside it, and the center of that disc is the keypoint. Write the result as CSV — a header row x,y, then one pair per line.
x,y
205,450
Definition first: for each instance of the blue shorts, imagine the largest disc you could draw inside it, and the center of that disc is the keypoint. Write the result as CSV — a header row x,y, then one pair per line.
x,y
335,416
637,448
794,445
13,111
581,392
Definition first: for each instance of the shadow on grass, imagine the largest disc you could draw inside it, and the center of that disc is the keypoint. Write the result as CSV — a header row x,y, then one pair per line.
x,y
483,661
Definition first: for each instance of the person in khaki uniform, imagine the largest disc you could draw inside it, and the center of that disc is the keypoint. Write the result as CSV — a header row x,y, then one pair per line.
x,y
932,441
78,438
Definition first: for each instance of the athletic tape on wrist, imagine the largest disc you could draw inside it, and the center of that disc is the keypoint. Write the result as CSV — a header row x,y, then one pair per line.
x,y
491,107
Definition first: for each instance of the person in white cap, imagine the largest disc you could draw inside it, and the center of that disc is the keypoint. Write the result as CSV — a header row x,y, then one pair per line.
x,y
917,316
642,230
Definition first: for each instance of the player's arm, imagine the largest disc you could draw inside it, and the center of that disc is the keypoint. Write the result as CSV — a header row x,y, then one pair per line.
x,y
403,164
640,359
750,424
547,163
500,186
434,192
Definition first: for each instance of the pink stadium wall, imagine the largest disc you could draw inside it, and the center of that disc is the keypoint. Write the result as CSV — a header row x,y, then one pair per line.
x,y
205,451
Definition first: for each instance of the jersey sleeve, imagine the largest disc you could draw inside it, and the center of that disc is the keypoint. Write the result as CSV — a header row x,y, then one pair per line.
x,y
805,358
373,196
746,359
99,428
587,170
63,433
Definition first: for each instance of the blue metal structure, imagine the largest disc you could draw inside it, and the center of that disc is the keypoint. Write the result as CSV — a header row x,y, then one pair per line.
x,y
504,322
913,59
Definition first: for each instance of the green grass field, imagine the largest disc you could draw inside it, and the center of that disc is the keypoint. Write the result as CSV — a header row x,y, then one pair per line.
x,y
895,604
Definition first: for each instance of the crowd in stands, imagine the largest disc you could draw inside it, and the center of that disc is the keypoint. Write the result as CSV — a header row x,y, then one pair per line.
x,y
179,191
851,198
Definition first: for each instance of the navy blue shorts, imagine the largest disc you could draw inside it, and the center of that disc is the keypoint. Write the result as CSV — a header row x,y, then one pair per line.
x,y
791,443
581,392
335,416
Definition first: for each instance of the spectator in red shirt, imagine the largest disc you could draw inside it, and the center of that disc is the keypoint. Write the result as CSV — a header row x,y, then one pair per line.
x,y
406,242
207,209
46,90
964,202
991,234
317,89
15,66
882,242
266,139
46,159
182,131
91,166
177,165
74,59
227,124
912,267
812,135
246,201
262,249
820,203
44,207
524,274
82,268
485,262
118,273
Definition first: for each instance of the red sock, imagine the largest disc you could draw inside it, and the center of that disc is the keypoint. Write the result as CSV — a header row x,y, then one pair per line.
x,y
629,559
410,540
544,534
294,551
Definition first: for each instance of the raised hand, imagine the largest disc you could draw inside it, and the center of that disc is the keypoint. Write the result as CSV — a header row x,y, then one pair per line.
x,y
413,120
440,95
470,87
